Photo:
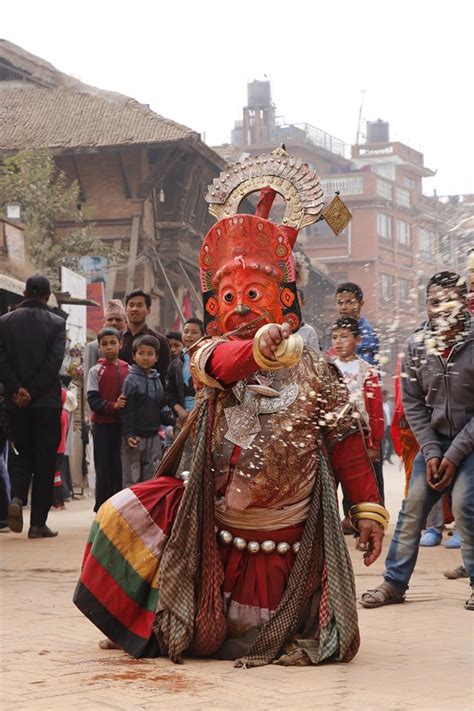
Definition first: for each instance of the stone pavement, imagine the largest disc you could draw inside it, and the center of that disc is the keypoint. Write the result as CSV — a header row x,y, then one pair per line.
x,y
416,656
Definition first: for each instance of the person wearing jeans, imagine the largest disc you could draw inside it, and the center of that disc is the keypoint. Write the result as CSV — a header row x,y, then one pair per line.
x,y
403,551
438,398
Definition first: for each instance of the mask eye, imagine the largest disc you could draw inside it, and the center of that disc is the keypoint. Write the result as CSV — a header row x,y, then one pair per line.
x,y
253,294
228,297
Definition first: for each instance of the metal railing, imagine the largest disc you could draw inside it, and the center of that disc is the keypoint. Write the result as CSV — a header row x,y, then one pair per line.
x,y
303,133
350,185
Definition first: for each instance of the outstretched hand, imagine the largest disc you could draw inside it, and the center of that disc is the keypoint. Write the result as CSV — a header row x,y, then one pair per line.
x,y
370,538
272,337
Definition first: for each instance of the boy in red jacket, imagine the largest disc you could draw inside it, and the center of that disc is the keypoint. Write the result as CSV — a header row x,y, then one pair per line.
x,y
104,395
365,392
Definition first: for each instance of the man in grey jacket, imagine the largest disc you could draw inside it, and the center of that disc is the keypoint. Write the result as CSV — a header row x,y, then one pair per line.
x,y
438,398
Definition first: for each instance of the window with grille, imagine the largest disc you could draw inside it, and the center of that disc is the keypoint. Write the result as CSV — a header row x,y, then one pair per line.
x,y
427,245
403,233
447,247
385,170
405,286
386,282
384,226
409,183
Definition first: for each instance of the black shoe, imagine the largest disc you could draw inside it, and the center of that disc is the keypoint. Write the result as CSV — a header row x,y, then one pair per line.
x,y
41,532
15,515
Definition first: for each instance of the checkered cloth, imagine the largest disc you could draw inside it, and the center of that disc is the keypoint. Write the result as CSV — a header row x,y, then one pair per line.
x,y
322,571
317,613
190,612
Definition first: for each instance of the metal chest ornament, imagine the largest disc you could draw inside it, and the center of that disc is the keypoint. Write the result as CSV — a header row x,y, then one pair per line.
x,y
243,419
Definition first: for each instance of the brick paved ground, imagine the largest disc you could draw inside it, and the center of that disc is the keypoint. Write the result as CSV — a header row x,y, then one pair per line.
x,y
413,656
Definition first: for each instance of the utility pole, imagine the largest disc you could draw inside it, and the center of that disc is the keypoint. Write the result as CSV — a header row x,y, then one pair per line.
x,y
360,117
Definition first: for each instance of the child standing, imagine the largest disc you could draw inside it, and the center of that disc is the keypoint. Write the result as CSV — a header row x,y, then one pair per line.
x,y
363,384
104,395
141,444
58,489
175,341
362,381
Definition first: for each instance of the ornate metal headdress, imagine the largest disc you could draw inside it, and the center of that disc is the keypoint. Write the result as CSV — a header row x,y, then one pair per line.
x,y
290,177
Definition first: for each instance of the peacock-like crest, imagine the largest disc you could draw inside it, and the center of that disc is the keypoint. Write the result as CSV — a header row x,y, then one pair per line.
x,y
288,176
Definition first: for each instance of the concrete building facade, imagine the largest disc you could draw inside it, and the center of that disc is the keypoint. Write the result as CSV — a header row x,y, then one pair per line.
x,y
398,237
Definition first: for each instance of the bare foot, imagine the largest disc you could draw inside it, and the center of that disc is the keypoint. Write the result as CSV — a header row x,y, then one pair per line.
x,y
108,644
292,657
296,658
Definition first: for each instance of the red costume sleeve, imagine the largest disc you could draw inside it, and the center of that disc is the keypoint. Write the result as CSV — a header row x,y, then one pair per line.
x,y
353,470
374,407
231,361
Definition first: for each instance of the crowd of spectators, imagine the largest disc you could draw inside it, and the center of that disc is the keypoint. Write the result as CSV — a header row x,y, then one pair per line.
x,y
139,390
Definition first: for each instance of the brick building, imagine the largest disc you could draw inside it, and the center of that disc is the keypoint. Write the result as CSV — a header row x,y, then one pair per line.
x,y
141,176
397,238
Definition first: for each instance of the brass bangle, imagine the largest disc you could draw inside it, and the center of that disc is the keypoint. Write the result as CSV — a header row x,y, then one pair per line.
x,y
371,507
287,354
367,515
290,350
262,361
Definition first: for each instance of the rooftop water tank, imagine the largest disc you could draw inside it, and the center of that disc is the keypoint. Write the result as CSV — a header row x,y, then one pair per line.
x,y
259,93
377,131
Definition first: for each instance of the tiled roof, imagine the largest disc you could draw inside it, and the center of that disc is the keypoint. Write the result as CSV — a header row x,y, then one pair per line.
x,y
230,153
72,117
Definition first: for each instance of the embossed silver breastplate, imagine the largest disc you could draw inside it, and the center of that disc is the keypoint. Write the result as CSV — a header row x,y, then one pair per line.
x,y
243,419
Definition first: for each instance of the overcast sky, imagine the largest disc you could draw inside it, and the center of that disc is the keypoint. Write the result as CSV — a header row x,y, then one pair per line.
x,y
190,61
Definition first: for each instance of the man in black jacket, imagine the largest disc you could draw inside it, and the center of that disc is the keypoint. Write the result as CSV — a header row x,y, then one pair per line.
x,y
137,309
32,343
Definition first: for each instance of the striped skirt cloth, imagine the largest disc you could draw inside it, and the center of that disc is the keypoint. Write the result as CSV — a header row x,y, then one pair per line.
x,y
118,591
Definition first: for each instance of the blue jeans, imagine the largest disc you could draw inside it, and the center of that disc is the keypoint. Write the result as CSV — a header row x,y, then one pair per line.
x,y
403,551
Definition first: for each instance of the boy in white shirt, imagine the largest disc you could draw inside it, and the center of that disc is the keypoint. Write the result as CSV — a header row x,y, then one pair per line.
x,y
365,392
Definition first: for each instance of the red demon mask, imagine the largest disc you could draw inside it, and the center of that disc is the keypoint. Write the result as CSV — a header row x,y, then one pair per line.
x,y
248,271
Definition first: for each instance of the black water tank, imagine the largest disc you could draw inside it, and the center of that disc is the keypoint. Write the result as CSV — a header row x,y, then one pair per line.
x,y
377,131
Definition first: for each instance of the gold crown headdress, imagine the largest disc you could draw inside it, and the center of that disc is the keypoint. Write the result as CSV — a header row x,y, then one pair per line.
x,y
290,177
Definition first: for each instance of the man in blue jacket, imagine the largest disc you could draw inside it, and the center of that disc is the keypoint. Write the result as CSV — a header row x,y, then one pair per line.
x,y
32,344
349,302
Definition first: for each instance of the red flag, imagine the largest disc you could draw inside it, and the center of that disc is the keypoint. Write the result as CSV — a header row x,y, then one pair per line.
x,y
186,310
